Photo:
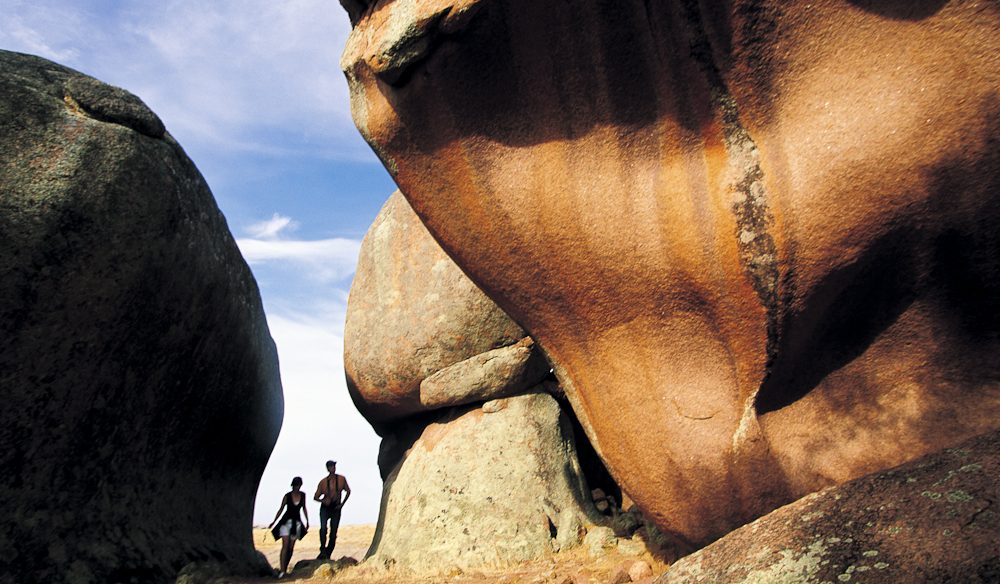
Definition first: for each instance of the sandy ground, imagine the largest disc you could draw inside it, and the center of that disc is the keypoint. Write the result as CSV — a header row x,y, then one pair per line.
x,y
570,567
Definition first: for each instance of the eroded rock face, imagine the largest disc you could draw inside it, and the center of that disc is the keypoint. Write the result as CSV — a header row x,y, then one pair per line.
x,y
140,387
931,520
484,487
754,238
412,313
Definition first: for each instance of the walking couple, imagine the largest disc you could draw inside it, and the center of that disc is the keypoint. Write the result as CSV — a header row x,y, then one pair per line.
x,y
332,492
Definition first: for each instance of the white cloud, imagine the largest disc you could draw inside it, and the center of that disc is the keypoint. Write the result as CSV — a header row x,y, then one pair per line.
x,y
272,228
321,259
318,259
254,65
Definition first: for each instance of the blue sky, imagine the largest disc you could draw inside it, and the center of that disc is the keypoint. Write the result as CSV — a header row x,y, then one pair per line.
x,y
253,92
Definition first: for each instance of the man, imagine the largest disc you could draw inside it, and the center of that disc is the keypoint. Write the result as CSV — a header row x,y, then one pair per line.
x,y
328,494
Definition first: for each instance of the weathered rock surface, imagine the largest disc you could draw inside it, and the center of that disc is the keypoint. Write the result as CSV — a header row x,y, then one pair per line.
x,y
412,313
766,229
935,519
139,382
484,489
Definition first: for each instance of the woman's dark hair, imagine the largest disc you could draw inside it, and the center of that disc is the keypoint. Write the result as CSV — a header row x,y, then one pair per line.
x,y
296,482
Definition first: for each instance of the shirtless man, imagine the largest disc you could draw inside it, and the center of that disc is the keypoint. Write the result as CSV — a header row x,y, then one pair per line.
x,y
328,494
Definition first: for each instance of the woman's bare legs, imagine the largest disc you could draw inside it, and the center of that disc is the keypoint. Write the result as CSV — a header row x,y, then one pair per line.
x,y
287,546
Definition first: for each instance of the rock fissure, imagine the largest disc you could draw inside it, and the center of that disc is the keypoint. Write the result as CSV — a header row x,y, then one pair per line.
x,y
757,249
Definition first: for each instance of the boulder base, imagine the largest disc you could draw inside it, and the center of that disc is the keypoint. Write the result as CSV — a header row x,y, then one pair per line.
x,y
932,520
483,489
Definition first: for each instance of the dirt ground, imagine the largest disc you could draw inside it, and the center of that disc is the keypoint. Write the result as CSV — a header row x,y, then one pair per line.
x,y
570,567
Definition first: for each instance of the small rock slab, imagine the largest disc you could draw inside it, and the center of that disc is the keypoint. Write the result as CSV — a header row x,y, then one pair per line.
x,y
487,376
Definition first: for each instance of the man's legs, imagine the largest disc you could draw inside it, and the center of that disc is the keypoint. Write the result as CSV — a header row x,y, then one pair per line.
x,y
334,524
324,516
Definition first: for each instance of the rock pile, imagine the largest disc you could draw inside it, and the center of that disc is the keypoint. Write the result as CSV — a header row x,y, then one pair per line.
x,y
139,382
479,461
484,486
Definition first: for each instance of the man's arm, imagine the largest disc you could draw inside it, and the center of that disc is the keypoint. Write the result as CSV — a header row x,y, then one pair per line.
x,y
347,492
319,492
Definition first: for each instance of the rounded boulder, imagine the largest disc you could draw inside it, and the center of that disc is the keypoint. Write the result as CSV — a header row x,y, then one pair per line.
x,y
139,380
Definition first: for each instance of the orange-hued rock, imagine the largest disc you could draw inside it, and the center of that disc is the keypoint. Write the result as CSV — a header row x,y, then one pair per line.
x,y
411,314
756,239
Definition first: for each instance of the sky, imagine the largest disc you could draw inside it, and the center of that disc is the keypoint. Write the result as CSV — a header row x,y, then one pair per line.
x,y
253,91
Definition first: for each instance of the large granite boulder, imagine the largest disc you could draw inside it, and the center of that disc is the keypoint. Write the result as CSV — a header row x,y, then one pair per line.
x,y
412,313
482,486
766,229
140,387
932,520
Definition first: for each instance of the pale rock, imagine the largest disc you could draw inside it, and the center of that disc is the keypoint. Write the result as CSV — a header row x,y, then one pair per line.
x,y
599,540
640,570
631,547
475,490
491,375
494,405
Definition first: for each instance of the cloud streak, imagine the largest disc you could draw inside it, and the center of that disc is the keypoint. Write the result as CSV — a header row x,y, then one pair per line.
x,y
273,227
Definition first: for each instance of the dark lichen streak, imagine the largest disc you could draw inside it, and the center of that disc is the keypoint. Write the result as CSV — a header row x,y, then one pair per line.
x,y
757,249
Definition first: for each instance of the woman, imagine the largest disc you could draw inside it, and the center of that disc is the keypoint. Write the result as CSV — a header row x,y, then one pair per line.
x,y
291,527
